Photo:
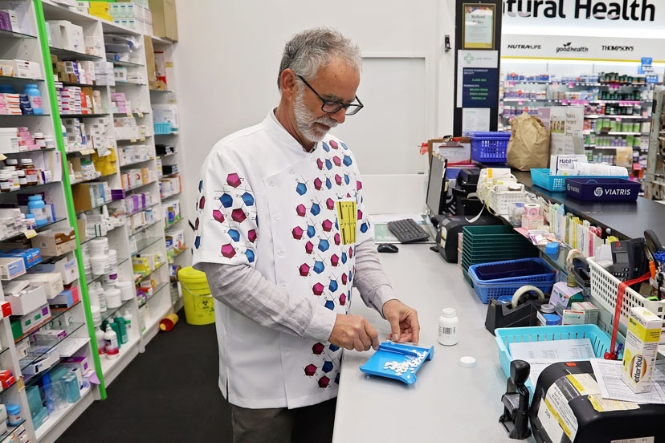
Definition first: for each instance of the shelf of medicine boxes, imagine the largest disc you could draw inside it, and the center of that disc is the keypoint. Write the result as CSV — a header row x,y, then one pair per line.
x,y
90,278
141,276
136,163
177,254
55,315
29,188
8,436
15,35
36,229
168,225
55,418
144,243
155,291
39,350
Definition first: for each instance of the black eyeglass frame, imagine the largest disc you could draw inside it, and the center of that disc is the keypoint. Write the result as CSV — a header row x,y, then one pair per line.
x,y
334,106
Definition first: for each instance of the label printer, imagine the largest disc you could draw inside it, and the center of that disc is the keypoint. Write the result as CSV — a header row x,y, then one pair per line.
x,y
567,408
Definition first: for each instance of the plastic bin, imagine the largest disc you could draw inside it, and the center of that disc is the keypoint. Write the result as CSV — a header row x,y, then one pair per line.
x,y
196,296
600,341
602,189
556,183
162,128
489,147
505,287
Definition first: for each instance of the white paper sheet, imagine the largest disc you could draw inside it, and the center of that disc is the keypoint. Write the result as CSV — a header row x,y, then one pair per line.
x,y
553,350
608,376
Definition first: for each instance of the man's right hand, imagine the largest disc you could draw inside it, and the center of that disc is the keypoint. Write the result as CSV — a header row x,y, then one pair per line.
x,y
354,332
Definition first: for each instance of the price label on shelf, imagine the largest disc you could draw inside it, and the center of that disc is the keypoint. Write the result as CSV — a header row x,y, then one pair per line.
x,y
140,114
142,139
2,157
20,383
129,114
132,140
30,233
168,64
87,151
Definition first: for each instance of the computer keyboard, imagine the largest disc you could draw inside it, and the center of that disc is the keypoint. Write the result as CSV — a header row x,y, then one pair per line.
x,y
407,231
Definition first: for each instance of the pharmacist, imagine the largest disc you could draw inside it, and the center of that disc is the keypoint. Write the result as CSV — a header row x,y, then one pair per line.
x,y
283,236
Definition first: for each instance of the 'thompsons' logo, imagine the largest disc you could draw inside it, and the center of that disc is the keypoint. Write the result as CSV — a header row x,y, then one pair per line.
x,y
568,47
617,48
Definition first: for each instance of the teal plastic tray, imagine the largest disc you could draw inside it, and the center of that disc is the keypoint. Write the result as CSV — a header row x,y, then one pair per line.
x,y
391,354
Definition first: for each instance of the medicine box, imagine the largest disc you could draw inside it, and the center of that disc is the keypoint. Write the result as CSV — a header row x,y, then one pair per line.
x,y
49,357
641,348
54,243
67,268
52,282
22,68
565,162
65,299
46,336
81,363
24,297
563,296
11,267
545,319
572,317
30,257
34,318
590,311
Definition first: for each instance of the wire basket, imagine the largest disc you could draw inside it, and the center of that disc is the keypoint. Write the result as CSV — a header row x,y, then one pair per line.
x,y
604,291
501,201
600,341
504,288
489,147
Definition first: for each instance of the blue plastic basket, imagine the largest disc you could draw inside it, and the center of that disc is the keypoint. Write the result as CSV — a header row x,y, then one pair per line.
x,y
556,183
600,341
162,128
602,189
489,147
504,288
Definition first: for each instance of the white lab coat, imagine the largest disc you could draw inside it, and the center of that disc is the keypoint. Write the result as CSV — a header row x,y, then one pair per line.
x,y
265,202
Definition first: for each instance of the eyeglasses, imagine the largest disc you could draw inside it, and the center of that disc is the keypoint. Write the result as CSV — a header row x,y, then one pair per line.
x,y
332,107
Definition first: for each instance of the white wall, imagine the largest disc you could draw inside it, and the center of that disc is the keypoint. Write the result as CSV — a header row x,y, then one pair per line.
x,y
228,57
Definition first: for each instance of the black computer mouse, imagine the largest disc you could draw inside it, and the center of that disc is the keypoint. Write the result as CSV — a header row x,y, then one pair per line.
x,y
387,247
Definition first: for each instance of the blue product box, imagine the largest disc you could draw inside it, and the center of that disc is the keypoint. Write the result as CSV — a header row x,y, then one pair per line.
x,y
63,300
30,256
548,319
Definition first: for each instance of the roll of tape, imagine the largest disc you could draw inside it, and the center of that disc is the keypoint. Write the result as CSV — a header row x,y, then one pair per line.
x,y
532,210
524,290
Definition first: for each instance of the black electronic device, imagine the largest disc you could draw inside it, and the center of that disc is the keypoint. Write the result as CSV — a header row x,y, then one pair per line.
x,y
561,383
469,176
505,315
449,228
387,247
407,231
516,401
436,186
464,201
629,259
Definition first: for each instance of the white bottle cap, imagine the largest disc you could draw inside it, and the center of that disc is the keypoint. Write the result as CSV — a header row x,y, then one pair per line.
x,y
448,312
467,362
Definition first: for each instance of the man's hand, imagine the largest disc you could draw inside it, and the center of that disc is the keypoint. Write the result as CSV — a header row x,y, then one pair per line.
x,y
354,332
403,320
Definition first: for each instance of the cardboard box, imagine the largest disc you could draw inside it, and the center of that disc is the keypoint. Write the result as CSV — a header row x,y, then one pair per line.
x,y
52,282
65,299
68,269
54,243
164,22
11,267
590,311
30,257
572,317
35,318
22,68
24,296
641,348
81,363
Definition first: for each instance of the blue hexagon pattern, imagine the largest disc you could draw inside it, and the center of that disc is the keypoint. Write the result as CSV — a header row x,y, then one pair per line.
x,y
227,200
250,255
347,160
330,305
324,245
327,367
301,188
333,286
319,267
315,209
326,147
311,231
234,234
249,199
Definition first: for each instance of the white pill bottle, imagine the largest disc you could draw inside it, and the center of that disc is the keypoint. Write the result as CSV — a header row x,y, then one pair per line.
x,y
448,323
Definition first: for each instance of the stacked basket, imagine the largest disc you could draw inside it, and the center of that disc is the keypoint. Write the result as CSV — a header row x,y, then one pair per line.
x,y
484,244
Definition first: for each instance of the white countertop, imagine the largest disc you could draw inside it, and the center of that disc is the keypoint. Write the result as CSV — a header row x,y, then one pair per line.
x,y
448,402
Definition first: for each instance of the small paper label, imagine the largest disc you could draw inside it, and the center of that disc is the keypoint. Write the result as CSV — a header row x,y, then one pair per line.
x,y
2,157
635,440
129,114
140,114
30,233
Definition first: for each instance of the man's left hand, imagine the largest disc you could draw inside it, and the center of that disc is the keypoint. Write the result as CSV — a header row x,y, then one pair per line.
x,y
403,320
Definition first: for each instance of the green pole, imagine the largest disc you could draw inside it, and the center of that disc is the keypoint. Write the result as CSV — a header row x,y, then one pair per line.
x,y
69,198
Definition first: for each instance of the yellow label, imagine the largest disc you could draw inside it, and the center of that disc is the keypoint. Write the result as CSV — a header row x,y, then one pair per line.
x,y
2,157
168,64
489,173
651,335
30,233
142,139
558,418
20,383
129,114
87,151
606,405
347,216
140,114
133,140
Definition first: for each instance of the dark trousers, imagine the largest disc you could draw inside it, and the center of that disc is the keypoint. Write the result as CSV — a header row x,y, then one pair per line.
x,y
309,424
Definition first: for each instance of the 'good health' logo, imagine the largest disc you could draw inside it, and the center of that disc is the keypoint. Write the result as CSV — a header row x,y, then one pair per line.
x,y
568,47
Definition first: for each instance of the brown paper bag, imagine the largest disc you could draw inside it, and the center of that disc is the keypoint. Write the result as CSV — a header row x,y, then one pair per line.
x,y
529,145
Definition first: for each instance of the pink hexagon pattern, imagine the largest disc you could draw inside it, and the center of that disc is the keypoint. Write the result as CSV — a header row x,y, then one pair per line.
x,y
318,184
309,247
297,232
318,348
233,180
196,224
327,225
301,210
228,251
304,270
345,279
359,185
310,370
324,382
202,202
360,214
319,164
318,288
217,215
334,260
338,179
238,215
251,235
337,161
338,239
333,144
342,299
330,204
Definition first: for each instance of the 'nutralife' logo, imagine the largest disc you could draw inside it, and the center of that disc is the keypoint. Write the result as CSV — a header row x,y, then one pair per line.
x,y
617,48
567,47
524,47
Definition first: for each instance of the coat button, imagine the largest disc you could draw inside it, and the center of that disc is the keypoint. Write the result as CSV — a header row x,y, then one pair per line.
x,y
291,171
277,217
281,253
287,351
271,182
283,285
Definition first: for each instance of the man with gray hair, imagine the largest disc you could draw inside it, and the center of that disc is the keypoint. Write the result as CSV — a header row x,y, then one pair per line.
x,y
283,236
